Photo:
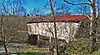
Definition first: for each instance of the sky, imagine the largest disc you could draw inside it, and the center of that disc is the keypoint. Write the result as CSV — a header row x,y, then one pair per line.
x,y
34,4
31,4
73,9
40,4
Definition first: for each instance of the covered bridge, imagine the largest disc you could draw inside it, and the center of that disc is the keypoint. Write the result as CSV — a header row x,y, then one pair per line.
x,y
43,26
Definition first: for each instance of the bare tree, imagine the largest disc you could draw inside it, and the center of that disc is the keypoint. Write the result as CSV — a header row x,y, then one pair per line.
x,y
9,29
93,18
59,8
3,34
14,7
36,12
55,30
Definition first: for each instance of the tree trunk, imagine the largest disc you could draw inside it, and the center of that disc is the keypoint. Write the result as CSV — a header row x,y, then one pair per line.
x,y
93,27
55,30
3,36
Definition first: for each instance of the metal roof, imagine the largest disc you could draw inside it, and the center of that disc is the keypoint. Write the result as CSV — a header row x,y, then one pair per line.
x,y
58,18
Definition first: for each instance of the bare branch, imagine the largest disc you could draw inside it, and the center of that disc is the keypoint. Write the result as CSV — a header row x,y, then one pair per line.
x,y
90,1
4,7
77,3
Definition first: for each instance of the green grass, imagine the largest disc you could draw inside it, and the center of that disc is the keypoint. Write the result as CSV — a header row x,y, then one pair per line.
x,y
27,48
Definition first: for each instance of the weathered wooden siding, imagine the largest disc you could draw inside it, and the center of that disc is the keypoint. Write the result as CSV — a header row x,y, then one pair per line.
x,y
64,30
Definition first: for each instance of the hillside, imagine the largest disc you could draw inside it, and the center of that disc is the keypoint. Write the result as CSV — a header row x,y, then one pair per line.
x,y
14,28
